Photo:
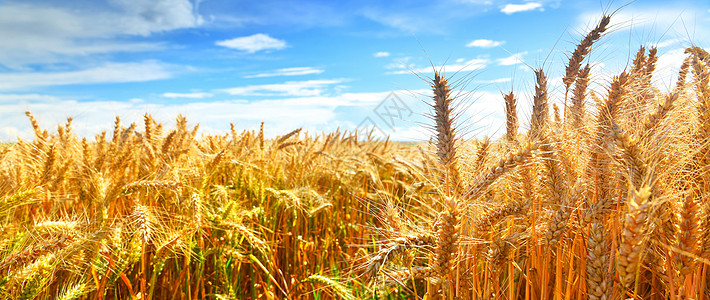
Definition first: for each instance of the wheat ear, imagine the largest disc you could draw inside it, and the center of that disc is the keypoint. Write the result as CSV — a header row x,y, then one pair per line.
x,y
511,117
541,110
598,167
447,239
504,165
598,283
32,253
339,289
631,247
682,75
395,247
639,62
445,135
74,292
578,96
583,49
485,223
689,234
659,114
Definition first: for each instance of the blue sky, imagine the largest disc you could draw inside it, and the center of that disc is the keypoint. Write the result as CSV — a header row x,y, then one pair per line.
x,y
319,65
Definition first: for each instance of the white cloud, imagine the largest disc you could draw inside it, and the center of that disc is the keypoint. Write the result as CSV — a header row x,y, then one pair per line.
x,y
381,54
90,118
147,16
666,21
499,80
509,9
314,113
487,111
254,43
483,43
288,72
400,20
665,25
188,95
107,73
284,14
479,2
400,63
667,68
289,88
413,133
280,115
514,59
40,33
666,43
27,97
468,66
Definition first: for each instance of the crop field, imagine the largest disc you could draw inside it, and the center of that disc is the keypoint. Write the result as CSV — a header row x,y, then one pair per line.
x,y
604,195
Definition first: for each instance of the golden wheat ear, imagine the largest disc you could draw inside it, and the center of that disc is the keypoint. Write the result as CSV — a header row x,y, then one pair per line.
x,y
541,110
577,109
446,139
583,48
632,247
599,286
511,117
339,290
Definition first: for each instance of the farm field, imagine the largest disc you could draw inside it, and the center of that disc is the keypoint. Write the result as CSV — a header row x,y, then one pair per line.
x,y
603,196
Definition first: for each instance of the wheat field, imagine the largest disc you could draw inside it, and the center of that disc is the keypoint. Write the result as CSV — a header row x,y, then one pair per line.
x,y
604,197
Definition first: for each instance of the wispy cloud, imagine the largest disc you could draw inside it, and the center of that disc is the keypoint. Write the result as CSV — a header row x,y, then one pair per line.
x,y
499,80
671,19
398,20
665,43
298,14
288,72
667,68
314,113
514,59
213,116
510,9
483,43
253,43
400,63
381,54
107,73
36,33
144,17
289,88
467,66
426,17
27,97
188,95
